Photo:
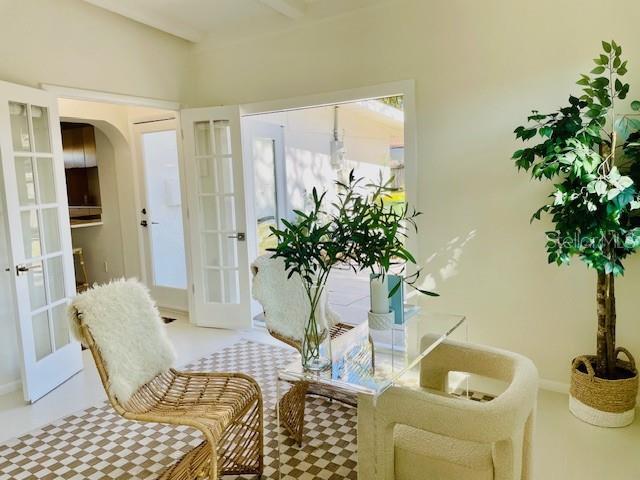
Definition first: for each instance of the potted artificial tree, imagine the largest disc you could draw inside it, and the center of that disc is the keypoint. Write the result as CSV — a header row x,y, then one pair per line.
x,y
592,156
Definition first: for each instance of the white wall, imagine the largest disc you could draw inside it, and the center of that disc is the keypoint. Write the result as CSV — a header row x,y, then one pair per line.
x,y
73,43
479,67
103,244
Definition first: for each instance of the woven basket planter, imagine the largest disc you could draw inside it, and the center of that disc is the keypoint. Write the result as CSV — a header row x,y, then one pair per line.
x,y
601,402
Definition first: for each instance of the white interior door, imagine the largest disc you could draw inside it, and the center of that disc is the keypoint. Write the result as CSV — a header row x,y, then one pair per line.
x,y
161,225
41,262
220,294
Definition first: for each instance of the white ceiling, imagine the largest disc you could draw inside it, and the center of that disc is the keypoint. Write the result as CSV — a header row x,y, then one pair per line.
x,y
195,20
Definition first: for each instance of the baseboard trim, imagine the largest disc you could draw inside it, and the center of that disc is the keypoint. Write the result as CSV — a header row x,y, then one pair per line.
x,y
553,386
10,387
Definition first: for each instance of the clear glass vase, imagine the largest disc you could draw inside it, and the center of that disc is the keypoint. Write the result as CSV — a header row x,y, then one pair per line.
x,y
316,341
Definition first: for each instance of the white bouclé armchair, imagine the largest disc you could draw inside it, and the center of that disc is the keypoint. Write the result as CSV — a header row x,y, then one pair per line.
x,y
423,433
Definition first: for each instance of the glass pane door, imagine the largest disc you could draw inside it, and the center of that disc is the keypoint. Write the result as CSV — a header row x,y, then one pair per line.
x,y
217,204
217,200
39,237
39,214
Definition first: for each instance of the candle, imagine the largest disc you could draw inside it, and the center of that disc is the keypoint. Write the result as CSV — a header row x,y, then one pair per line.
x,y
379,294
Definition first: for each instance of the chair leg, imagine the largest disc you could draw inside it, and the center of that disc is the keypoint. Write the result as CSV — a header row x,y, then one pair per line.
x,y
292,406
241,447
193,463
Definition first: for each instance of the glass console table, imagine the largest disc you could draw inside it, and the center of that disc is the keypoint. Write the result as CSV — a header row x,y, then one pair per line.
x,y
365,362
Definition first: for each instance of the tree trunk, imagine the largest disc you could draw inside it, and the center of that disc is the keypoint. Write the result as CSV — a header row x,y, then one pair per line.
x,y
611,328
602,350
606,343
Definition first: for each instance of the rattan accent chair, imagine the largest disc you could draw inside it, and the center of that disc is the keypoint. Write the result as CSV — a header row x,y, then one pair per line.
x,y
226,407
284,303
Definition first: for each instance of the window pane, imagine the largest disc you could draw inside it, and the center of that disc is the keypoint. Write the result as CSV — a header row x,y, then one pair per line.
x,y
35,280
40,120
231,286
25,181
46,181
207,179
60,326
213,286
51,230
209,213
222,139
229,251
228,214
41,335
19,127
225,175
202,133
211,249
30,234
55,278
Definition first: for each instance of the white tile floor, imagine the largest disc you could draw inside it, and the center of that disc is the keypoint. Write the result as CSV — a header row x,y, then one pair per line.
x,y
566,448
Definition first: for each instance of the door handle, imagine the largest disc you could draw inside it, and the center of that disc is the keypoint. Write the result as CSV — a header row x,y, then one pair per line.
x,y
240,236
144,223
22,269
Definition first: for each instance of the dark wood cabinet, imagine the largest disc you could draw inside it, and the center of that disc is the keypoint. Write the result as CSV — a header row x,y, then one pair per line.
x,y
81,170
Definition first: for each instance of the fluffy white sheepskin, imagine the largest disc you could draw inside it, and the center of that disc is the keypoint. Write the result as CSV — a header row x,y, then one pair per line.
x,y
285,303
128,330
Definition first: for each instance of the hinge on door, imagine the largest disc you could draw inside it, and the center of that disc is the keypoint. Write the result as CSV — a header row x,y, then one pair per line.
x,y
193,288
182,134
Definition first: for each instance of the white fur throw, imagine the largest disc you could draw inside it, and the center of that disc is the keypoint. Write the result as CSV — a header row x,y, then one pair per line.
x,y
285,303
127,328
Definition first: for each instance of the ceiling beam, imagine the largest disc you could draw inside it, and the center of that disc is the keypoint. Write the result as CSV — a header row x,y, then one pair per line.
x,y
289,8
151,19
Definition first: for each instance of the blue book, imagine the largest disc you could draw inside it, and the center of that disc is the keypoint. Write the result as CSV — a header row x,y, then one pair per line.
x,y
396,302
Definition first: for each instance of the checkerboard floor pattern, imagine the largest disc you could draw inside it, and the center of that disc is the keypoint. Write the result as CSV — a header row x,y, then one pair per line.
x,y
98,444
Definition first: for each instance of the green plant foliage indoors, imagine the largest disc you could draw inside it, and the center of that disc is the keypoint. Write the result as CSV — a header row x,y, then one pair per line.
x,y
591,153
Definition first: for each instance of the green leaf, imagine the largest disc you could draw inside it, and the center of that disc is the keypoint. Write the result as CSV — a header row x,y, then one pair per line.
x,y
606,46
598,70
635,105
600,187
545,131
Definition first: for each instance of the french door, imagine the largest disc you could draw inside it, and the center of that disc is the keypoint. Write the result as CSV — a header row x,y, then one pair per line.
x,y
161,225
39,236
212,145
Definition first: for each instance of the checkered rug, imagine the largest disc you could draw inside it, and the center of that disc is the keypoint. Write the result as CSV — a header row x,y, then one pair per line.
x,y
98,444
